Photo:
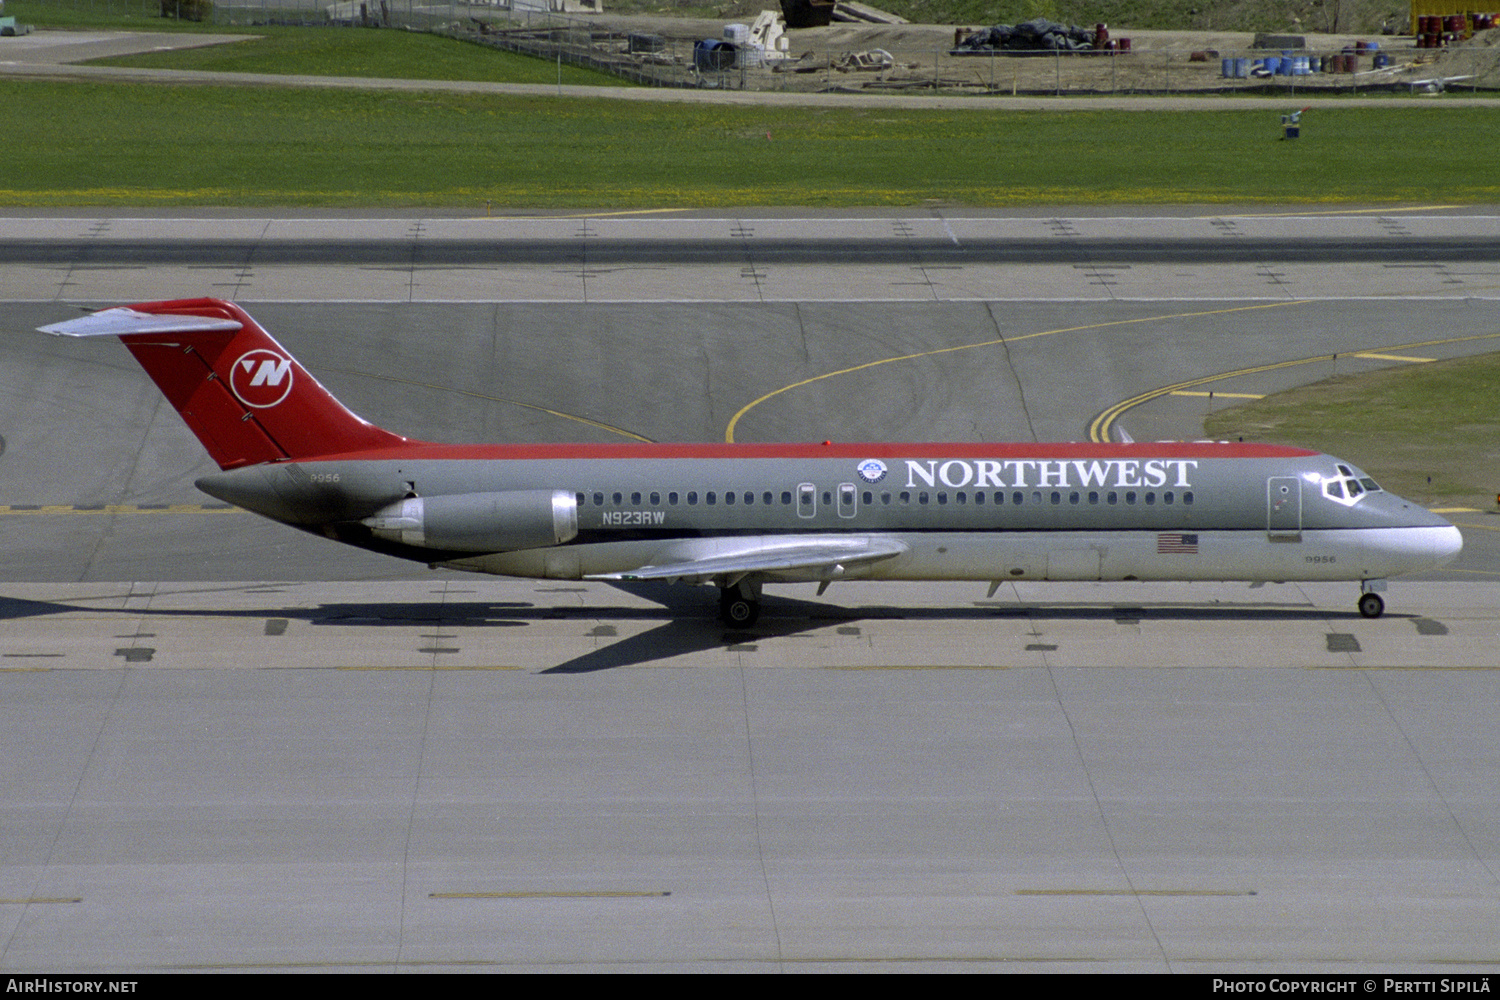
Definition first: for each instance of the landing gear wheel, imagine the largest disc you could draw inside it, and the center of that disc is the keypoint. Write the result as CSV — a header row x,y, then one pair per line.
x,y
737,611
1371,605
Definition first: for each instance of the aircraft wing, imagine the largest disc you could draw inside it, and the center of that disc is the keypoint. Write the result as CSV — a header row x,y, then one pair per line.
x,y
806,559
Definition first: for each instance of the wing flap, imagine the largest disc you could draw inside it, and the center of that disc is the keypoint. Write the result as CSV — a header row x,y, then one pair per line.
x,y
818,559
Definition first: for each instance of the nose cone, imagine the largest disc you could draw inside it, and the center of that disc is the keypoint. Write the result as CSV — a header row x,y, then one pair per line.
x,y
1439,538
1413,550
1447,543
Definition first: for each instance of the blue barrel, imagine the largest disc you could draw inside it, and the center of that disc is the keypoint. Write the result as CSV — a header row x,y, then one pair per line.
x,y
1242,67
1226,68
1272,64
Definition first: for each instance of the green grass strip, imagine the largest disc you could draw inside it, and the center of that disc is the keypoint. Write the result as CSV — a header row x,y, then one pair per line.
x,y
101,144
397,55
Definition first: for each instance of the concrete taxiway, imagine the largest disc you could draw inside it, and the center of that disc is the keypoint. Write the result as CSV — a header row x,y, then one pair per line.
x,y
394,769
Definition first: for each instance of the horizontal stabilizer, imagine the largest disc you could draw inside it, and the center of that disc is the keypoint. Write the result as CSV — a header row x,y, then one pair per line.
x,y
243,395
813,559
122,322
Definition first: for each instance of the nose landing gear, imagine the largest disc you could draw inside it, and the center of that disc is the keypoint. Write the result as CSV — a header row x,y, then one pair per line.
x,y
1371,604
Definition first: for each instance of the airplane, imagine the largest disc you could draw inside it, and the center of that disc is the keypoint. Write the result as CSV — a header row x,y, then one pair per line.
x,y
740,516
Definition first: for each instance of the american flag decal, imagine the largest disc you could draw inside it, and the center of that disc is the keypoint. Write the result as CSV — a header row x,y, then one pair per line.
x,y
1176,543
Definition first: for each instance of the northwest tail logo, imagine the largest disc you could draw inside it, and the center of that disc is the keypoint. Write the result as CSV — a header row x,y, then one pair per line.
x,y
261,378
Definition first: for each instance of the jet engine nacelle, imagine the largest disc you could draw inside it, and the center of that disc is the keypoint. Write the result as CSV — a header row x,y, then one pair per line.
x,y
480,522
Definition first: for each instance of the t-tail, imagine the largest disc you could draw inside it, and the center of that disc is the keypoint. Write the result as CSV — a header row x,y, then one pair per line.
x,y
240,392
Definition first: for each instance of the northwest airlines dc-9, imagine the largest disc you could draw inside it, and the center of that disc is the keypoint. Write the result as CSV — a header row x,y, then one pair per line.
x,y
742,516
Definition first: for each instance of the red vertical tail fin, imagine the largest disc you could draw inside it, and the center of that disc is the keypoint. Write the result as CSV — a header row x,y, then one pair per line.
x,y
238,390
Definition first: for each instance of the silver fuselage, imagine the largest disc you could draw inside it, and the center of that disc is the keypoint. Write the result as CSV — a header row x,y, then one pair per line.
x,y
1178,511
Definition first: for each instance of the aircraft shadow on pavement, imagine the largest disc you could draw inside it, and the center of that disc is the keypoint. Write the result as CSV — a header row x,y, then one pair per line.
x,y
686,618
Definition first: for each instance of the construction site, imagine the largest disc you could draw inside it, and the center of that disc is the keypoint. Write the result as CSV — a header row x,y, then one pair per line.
x,y
865,50
846,46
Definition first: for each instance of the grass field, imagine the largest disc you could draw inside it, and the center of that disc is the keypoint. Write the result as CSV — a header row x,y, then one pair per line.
x,y
1402,425
397,55
92,144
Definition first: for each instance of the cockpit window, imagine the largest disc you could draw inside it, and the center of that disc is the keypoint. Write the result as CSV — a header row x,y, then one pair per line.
x,y
1346,487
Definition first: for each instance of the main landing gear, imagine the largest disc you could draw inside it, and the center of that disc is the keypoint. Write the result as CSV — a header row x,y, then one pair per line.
x,y
1371,604
739,604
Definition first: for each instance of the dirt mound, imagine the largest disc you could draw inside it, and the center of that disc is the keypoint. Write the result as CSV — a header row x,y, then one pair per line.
x,y
1474,63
